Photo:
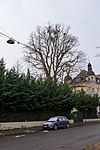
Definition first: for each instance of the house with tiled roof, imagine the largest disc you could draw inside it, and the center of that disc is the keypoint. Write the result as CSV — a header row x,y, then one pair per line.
x,y
86,80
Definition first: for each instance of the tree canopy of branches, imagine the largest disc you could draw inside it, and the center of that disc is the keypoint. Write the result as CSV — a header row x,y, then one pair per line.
x,y
52,51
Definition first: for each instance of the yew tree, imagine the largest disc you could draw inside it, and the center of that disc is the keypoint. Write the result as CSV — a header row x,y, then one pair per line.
x,y
52,51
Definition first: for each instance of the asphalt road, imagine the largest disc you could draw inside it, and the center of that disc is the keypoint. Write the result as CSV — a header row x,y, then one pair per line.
x,y
74,138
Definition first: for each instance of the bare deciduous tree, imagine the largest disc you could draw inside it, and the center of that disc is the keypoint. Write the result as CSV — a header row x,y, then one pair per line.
x,y
53,51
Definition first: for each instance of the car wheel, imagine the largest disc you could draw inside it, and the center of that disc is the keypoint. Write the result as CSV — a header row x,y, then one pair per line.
x,y
67,125
55,127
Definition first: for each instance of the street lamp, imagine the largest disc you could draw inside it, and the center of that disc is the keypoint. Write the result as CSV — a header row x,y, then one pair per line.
x,y
10,41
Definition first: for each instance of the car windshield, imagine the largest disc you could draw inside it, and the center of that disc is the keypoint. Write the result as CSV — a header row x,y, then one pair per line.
x,y
53,119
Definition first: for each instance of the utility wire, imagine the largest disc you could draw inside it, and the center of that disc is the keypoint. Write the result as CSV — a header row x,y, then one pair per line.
x,y
4,31
13,39
5,35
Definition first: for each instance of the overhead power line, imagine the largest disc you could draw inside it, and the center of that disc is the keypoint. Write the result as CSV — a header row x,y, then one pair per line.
x,y
4,31
5,35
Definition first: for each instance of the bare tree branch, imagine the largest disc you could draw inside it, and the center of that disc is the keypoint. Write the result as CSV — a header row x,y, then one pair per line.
x,y
52,50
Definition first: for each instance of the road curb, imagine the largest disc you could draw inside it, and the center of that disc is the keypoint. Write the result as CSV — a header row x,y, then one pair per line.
x,y
36,129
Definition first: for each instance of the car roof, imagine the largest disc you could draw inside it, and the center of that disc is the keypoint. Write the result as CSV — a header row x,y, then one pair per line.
x,y
58,117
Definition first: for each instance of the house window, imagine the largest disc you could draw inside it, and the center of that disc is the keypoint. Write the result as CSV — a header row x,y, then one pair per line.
x,y
91,78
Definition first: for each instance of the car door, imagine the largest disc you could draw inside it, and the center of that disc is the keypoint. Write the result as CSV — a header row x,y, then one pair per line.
x,y
60,122
64,121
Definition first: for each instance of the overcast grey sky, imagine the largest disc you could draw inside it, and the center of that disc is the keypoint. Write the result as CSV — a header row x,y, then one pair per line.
x,y
18,18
